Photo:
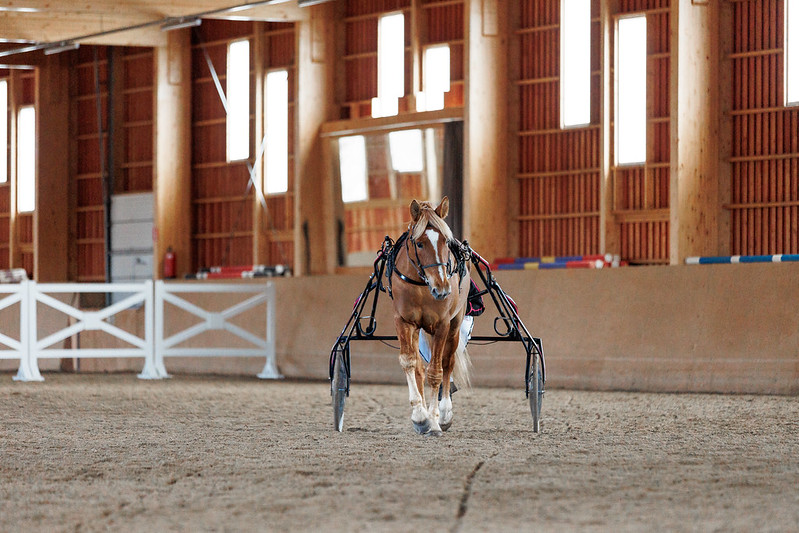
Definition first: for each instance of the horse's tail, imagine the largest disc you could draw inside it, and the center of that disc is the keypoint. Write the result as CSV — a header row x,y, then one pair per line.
x,y
463,365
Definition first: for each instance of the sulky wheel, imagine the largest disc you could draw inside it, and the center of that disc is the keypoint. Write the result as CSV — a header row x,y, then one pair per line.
x,y
535,390
338,388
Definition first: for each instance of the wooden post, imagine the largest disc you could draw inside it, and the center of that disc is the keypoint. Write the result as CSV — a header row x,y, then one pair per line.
x,y
609,230
486,118
260,232
694,194
51,218
314,238
172,148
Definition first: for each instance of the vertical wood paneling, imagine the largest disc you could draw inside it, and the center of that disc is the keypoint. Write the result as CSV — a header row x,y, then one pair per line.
x,y
558,169
765,151
88,182
136,168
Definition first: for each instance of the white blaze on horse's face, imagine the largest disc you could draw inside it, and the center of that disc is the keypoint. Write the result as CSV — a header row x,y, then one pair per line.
x,y
439,284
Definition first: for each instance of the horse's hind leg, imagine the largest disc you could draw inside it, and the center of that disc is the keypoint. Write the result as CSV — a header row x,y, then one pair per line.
x,y
414,374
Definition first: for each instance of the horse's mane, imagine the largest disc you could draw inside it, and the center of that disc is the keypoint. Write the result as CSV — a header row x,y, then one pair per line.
x,y
428,217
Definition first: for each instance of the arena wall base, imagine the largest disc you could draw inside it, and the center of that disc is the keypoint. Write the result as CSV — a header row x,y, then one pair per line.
x,y
715,329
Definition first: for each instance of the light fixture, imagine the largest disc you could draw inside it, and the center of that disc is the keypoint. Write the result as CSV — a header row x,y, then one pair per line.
x,y
181,22
63,46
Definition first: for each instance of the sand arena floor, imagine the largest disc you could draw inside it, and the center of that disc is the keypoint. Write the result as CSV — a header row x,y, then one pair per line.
x,y
110,452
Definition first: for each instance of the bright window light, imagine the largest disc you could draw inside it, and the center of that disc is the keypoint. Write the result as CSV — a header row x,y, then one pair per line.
x,y
406,150
26,159
390,65
436,78
277,132
238,100
631,91
792,51
352,165
575,63
3,131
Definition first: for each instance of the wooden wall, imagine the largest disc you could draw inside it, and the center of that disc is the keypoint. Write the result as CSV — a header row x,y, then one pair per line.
x,y
568,196
559,169
136,102
89,213
224,217
764,195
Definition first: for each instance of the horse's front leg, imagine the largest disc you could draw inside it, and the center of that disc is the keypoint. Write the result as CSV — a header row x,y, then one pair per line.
x,y
448,364
435,375
411,364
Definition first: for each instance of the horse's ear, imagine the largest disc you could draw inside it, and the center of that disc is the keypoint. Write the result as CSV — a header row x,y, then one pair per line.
x,y
443,208
416,210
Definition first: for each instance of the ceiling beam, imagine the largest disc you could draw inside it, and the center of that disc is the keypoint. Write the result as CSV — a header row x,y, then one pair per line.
x,y
97,21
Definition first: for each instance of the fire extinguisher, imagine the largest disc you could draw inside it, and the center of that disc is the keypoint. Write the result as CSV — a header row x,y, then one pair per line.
x,y
169,264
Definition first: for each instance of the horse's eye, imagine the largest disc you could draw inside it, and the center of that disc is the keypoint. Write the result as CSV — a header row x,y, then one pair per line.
x,y
419,245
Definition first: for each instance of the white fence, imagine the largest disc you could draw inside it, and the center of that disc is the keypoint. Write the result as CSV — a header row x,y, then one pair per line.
x,y
152,346
215,320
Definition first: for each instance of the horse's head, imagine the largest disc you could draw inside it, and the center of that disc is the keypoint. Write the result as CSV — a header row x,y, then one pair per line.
x,y
429,238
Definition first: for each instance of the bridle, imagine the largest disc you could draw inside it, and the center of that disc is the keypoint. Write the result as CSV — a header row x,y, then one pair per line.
x,y
420,268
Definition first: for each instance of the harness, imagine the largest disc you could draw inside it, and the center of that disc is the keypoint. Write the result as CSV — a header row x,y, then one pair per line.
x,y
459,250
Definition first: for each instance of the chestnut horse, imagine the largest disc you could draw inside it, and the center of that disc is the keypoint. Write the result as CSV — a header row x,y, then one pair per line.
x,y
430,286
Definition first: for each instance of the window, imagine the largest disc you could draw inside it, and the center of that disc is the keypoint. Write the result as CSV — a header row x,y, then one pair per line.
x,y
406,150
436,78
352,165
792,52
630,120
277,132
3,131
238,100
575,63
390,65
26,159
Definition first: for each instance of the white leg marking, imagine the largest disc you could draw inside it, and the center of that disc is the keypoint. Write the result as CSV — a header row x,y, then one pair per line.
x,y
418,411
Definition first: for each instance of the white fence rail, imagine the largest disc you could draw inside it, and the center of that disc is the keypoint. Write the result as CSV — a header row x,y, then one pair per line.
x,y
32,297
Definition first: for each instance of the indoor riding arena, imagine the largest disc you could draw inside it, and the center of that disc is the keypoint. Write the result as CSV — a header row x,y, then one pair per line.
x,y
243,245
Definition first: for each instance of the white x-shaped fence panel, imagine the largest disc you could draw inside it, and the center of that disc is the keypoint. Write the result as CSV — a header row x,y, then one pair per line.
x,y
261,346
11,348
88,320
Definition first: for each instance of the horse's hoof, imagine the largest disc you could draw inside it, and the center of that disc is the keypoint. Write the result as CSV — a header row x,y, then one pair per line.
x,y
423,427
434,433
445,427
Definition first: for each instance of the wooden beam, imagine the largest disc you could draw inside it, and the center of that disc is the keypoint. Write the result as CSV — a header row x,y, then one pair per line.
x,y
172,148
314,242
694,188
609,230
46,21
51,218
485,138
